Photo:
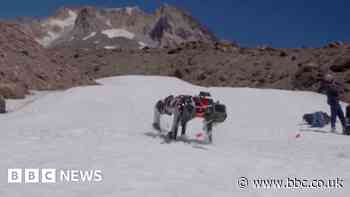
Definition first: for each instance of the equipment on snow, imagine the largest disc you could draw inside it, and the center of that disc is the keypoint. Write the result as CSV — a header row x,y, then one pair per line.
x,y
317,119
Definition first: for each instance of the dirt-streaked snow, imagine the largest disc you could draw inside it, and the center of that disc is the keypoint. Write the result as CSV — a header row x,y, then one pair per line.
x,y
90,36
110,47
105,127
115,33
130,10
109,23
142,45
66,22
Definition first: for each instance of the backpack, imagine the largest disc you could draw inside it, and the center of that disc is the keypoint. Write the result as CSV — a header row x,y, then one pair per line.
x,y
317,119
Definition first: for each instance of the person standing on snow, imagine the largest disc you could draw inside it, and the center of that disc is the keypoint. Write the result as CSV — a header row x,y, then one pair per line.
x,y
2,105
333,90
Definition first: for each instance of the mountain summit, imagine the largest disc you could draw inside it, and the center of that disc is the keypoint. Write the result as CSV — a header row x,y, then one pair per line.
x,y
111,28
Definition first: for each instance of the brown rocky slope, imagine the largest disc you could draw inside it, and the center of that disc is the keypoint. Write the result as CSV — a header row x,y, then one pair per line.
x,y
173,44
221,64
24,65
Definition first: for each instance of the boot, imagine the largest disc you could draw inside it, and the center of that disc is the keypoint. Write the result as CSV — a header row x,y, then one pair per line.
x,y
171,136
333,130
156,126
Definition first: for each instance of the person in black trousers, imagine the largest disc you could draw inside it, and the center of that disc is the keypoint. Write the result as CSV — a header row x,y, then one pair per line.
x,y
333,90
2,105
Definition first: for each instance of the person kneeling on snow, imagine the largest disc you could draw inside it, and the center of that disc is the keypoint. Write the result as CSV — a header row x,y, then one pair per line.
x,y
185,108
333,89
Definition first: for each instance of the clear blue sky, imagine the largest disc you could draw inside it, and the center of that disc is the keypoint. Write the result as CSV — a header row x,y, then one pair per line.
x,y
280,23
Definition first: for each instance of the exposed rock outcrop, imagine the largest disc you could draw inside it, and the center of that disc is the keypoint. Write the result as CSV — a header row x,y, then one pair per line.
x,y
129,27
24,64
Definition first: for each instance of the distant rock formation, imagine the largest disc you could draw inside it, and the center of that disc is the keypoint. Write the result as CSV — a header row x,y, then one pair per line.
x,y
84,28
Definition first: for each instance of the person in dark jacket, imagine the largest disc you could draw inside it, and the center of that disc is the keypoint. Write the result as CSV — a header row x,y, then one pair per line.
x,y
333,90
2,105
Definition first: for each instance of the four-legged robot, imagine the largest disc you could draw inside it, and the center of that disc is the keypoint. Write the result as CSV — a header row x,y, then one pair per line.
x,y
185,108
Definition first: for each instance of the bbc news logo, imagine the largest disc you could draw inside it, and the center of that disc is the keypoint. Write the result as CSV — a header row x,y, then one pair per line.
x,y
35,176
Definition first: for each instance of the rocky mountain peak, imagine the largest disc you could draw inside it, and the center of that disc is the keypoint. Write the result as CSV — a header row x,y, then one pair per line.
x,y
64,12
176,25
128,27
87,21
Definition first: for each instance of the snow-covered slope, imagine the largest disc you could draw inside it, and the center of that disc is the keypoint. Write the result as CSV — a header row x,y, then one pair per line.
x,y
114,33
107,127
